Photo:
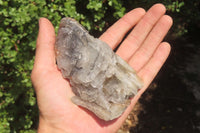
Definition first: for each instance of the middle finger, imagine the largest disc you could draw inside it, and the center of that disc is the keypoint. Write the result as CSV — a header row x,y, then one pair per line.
x,y
139,33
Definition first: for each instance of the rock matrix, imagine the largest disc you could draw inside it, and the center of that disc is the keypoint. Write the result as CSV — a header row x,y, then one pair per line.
x,y
101,81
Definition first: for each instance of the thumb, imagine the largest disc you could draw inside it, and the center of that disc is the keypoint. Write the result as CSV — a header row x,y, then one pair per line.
x,y
45,55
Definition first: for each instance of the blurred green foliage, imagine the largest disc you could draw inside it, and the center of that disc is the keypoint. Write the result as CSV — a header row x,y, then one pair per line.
x,y
18,32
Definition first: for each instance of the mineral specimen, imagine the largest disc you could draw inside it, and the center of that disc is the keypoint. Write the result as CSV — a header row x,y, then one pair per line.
x,y
101,81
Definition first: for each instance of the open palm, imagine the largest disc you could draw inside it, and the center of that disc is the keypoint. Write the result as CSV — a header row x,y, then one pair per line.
x,y
143,49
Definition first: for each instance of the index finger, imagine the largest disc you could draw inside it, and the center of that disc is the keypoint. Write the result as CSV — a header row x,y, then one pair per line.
x,y
114,35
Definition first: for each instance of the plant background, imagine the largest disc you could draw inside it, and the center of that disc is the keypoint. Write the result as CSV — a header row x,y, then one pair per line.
x,y
18,33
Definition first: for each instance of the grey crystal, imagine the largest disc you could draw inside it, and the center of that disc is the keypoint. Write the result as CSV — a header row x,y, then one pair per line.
x,y
101,81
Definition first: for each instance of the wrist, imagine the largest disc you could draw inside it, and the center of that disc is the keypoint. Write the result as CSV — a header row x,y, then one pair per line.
x,y
46,127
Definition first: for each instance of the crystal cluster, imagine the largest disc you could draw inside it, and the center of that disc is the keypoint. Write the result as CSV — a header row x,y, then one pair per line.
x,y
101,81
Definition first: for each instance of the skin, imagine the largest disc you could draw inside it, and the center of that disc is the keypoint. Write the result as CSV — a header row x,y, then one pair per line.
x,y
143,49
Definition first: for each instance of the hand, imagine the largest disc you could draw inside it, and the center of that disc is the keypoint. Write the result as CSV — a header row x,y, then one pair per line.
x,y
143,49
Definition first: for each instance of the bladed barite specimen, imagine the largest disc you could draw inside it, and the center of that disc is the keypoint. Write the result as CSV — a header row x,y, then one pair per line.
x,y
101,81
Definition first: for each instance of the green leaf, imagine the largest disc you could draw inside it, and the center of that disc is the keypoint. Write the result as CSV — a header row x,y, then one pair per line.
x,y
181,4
